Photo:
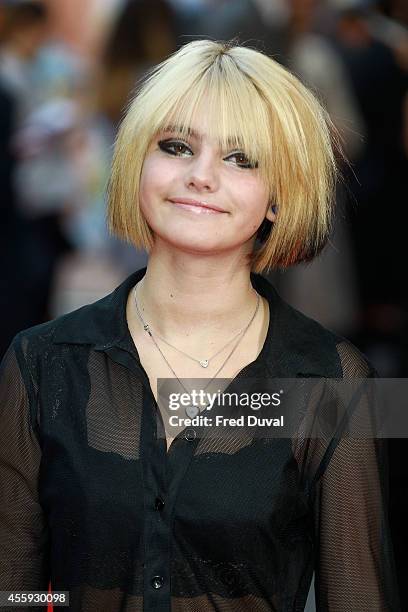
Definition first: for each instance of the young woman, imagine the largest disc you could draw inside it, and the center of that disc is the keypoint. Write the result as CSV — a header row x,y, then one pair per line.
x,y
224,167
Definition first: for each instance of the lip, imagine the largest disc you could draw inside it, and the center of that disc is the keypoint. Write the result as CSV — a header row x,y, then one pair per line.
x,y
196,205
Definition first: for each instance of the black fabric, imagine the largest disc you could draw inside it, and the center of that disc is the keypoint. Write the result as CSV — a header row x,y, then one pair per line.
x,y
91,499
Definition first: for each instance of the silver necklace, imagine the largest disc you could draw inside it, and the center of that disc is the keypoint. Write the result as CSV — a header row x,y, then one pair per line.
x,y
192,411
204,363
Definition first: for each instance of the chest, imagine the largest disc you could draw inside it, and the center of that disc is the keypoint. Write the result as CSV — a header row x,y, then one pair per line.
x,y
162,362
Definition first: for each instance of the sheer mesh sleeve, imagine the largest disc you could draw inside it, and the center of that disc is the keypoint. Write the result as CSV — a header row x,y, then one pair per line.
x,y
355,570
24,563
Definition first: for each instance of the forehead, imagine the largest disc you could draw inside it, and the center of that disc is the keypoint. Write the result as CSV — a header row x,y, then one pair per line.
x,y
209,119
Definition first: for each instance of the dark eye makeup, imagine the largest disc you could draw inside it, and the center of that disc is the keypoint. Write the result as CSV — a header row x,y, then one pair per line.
x,y
242,160
179,148
174,147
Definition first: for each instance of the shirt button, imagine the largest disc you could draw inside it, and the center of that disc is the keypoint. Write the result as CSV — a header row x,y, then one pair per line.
x,y
158,503
157,582
190,434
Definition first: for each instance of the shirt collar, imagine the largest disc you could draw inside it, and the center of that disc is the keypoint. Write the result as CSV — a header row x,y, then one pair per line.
x,y
295,343
102,323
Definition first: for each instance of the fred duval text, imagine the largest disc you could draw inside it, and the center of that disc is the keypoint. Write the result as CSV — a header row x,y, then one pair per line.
x,y
249,420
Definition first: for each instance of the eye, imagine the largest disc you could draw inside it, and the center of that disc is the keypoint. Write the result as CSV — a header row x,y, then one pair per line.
x,y
241,160
178,148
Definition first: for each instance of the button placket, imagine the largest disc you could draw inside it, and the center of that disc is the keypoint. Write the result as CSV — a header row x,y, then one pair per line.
x,y
157,530
162,476
190,434
157,582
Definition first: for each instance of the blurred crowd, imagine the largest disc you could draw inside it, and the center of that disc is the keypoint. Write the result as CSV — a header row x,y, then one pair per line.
x,y
60,106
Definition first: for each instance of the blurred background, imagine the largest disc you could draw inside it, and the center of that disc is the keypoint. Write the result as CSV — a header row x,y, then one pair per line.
x,y
67,69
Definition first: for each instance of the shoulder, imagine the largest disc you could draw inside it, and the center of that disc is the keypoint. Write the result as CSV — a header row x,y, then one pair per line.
x,y
89,325
71,325
100,323
35,346
308,347
323,349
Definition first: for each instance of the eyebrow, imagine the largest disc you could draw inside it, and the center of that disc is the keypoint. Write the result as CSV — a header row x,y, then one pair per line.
x,y
191,132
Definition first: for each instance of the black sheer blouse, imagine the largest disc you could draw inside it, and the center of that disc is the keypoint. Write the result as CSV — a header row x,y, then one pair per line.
x,y
91,499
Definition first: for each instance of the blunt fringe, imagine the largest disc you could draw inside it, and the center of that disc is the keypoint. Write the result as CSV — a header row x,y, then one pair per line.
x,y
257,105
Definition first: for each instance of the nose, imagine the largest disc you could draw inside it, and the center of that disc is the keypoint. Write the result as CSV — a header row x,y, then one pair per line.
x,y
202,173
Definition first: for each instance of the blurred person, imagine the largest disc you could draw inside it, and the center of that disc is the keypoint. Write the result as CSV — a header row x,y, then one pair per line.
x,y
224,167
3,16
325,289
261,23
380,85
187,16
392,34
10,307
372,55
22,33
397,10
41,78
25,31
7,120
142,35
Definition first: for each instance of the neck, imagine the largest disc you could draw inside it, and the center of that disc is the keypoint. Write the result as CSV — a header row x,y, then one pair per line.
x,y
185,294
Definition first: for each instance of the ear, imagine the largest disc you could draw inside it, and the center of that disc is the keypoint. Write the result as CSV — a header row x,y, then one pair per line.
x,y
271,213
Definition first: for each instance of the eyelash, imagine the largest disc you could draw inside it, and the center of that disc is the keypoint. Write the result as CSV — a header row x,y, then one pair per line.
x,y
168,146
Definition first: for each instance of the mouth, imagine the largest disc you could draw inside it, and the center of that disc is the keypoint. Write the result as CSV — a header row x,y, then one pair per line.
x,y
197,206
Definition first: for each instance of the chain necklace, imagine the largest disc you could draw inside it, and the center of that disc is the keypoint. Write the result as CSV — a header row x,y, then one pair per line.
x,y
192,411
204,363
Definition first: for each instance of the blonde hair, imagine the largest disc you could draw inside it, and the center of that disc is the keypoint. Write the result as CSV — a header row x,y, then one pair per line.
x,y
255,104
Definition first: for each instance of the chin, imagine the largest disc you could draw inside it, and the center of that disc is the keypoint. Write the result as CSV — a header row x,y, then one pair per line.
x,y
189,236
199,238
201,247
190,245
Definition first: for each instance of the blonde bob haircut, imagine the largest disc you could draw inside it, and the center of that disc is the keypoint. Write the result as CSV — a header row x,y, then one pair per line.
x,y
255,105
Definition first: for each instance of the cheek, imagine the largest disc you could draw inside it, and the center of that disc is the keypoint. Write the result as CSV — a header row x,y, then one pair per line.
x,y
153,182
150,178
253,199
144,189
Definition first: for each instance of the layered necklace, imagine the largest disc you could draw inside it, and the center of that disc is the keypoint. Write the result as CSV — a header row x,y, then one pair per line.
x,y
193,410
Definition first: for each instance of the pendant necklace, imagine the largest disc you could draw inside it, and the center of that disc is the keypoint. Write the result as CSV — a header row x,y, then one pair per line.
x,y
192,411
204,363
